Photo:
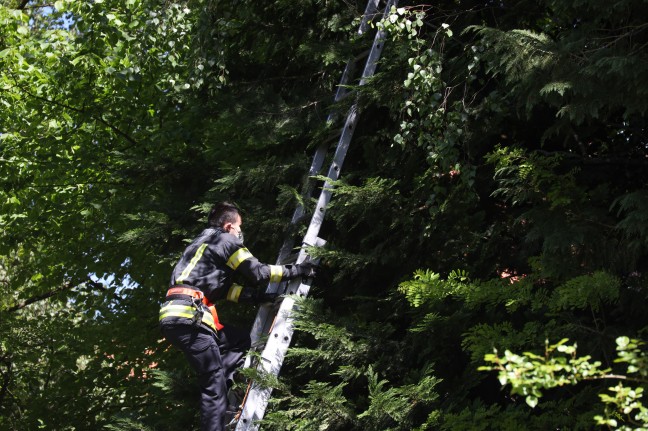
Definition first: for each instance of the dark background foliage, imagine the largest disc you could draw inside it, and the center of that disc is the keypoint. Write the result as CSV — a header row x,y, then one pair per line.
x,y
494,196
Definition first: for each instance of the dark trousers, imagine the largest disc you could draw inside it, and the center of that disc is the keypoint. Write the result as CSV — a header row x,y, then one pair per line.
x,y
215,358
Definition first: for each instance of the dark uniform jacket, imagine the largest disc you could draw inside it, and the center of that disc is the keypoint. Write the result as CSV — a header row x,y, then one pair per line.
x,y
208,265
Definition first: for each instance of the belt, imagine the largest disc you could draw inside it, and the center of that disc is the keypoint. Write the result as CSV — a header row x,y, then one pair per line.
x,y
197,294
189,292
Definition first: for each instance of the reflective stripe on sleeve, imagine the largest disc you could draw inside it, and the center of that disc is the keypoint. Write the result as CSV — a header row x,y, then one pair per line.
x,y
237,257
234,293
276,272
186,311
193,263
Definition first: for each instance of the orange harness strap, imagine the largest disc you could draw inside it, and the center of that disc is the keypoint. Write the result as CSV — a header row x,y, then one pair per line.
x,y
199,295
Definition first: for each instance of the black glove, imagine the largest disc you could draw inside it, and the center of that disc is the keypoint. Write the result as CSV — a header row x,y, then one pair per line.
x,y
306,269
251,295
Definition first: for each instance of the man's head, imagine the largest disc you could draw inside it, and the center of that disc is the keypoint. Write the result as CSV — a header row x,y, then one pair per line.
x,y
225,215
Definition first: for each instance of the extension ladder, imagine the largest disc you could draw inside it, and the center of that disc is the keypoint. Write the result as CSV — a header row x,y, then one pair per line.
x,y
273,323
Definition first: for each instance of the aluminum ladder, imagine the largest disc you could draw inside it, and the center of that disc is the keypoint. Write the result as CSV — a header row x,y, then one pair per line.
x,y
272,329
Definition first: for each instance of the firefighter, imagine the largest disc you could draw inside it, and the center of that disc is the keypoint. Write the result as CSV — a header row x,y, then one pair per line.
x,y
188,318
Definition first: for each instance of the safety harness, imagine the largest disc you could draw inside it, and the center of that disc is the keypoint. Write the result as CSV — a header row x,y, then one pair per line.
x,y
195,311
185,301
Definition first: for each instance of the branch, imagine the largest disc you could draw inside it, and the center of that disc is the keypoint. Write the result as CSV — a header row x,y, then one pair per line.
x,y
631,31
33,299
23,5
98,118
36,6
51,293
597,160
88,183
620,377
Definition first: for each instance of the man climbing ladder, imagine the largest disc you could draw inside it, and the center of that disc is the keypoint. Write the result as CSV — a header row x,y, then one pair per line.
x,y
188,318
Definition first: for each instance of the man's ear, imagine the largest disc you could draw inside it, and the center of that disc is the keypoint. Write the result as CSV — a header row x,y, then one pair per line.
x,y
227,226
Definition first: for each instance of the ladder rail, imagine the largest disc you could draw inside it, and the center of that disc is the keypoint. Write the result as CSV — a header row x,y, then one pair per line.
x,y
279,339
273,355
320,153
347,134
265,314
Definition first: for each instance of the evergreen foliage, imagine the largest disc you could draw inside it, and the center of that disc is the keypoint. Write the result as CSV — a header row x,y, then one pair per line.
x,y
494,197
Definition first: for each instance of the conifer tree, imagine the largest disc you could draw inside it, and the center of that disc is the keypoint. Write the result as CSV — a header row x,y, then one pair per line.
x,y
493,197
